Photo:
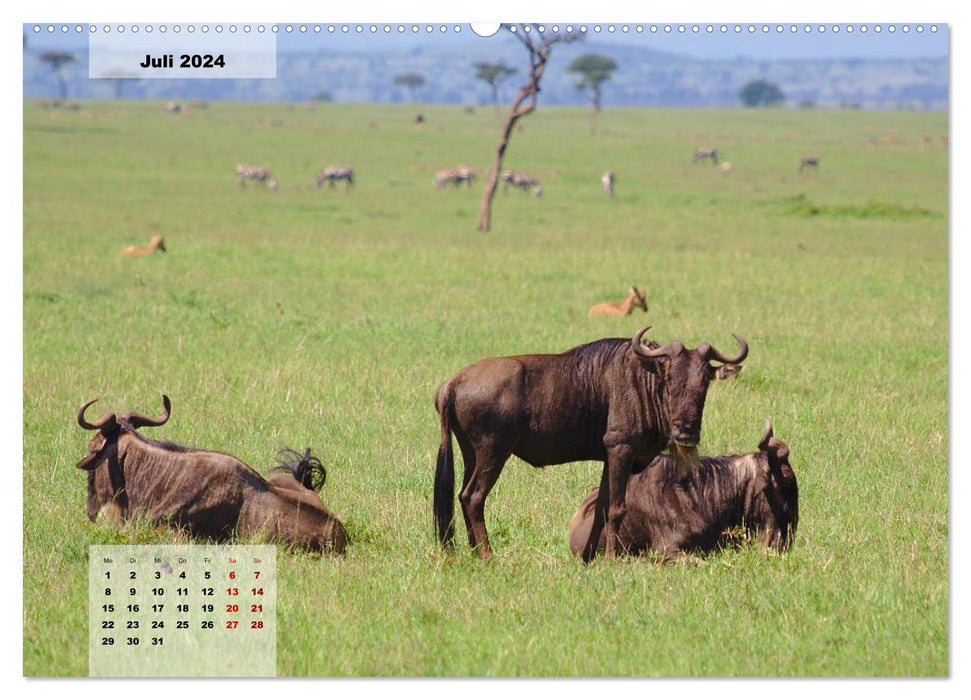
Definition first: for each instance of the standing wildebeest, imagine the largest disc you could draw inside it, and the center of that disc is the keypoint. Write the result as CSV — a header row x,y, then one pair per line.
x,y
809,162
157,243
669,514
333,173
616,401
208,494
703,153
634,300
607,182
246,172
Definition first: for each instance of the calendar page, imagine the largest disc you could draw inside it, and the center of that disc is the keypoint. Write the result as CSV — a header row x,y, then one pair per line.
x,y
182,610
372,346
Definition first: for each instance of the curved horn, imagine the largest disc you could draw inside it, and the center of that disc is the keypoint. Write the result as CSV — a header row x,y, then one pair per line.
x,y
107,418
766,435
714,354
671,349
137,420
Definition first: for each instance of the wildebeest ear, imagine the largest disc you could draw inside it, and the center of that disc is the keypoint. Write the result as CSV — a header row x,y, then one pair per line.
x,y
727,371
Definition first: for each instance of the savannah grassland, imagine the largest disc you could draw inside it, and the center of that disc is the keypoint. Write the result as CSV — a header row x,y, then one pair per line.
x,y
327,319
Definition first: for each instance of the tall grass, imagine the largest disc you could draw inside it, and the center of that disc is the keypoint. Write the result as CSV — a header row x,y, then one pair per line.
x,y
327,319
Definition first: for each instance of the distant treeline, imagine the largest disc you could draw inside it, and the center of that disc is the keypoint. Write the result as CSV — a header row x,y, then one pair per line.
x,y
644,78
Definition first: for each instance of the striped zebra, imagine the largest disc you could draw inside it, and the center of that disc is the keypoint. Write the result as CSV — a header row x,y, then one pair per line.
x,y
809,162
521,180
332,173
607,181
246,172
456,176
703,153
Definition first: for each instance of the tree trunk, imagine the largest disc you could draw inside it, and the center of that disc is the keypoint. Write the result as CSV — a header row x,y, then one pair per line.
x,y
485,211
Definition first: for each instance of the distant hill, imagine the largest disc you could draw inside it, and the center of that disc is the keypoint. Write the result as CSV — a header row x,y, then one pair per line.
x,y
645,77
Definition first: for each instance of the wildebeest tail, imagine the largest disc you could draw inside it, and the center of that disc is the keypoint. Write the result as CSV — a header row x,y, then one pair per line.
x,y
444,495
305,468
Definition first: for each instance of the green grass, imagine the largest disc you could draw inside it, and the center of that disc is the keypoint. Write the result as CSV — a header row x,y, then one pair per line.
x,y
321,318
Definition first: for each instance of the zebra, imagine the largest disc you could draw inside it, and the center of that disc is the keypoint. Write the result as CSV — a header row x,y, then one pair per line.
x,y
333,173
703,153
607,181
522,181
809,161
456,176
246,172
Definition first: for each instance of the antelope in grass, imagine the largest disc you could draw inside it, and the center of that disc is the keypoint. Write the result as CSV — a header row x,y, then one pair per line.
x,y
706,153
331,174
607,182
809,162
246,172
157,243
634,300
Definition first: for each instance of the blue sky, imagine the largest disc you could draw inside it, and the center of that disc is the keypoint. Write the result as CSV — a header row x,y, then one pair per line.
x,y
771,45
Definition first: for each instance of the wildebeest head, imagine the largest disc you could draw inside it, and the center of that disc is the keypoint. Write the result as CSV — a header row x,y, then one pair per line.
x,y
104,444
684,377
777,493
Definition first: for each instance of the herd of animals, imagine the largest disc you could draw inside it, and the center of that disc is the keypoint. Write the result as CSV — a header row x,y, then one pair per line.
x,y
617,401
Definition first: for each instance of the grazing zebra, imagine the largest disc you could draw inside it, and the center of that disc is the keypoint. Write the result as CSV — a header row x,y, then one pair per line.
x,y
456,176
334,173
607,181
255,172
809,162
703,153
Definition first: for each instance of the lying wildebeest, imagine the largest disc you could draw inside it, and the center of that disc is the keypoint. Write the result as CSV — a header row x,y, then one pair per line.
x,y
208,494
617,401
670,514
157,243
634,300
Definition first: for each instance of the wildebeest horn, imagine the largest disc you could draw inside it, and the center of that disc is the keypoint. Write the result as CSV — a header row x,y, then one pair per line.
x,y
137,420
766,436
713,353
107,420
672,349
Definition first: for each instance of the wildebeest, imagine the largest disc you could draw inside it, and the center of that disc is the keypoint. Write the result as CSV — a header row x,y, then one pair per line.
x,y
616,401
706,153
332,173
157,243
811,161
207,494
670,514
607,182
634,300
246,172
521,180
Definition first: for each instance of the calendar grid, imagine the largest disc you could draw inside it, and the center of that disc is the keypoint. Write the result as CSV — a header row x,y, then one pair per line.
x,y
182,610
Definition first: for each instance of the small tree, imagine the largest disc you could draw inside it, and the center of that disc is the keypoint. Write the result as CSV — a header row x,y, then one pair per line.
x,y
492,74
594,71
57,60
411,81
760,93
538,42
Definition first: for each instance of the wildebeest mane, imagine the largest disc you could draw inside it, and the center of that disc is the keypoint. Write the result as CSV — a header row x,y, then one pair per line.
x,y
162,444
305,468
592,358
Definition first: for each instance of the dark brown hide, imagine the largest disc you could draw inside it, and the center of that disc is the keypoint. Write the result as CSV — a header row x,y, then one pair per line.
x,y
669,514
617,401
208,494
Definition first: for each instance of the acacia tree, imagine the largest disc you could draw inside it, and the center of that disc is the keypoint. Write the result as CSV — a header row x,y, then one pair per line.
x,y
412,81
57,60
760,93
594,71
492,74
538,42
